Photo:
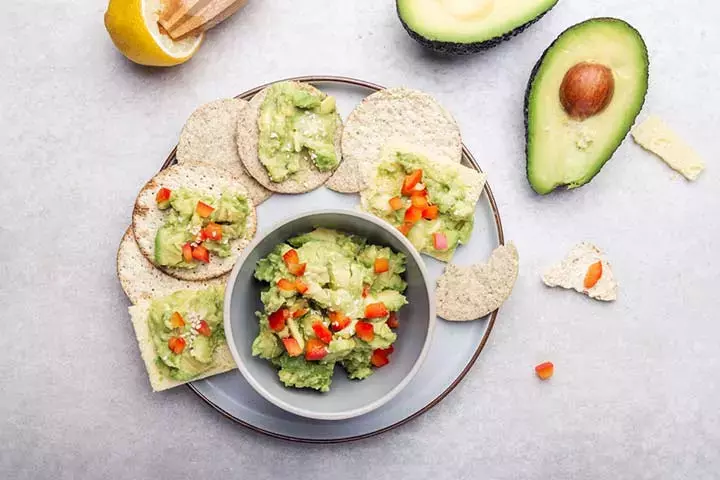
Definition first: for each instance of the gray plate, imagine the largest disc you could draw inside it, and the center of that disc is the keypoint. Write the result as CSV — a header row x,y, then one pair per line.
x,y
455,346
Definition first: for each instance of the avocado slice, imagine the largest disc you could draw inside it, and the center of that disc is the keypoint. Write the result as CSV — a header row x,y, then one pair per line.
x,y
167,245
202,349
461,27
582,99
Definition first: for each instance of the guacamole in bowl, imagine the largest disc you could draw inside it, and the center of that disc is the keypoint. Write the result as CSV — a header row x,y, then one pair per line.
x,y
330,314
330,298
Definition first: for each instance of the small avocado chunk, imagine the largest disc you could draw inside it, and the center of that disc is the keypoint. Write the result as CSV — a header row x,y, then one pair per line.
x,y
266,345
168,245
581,101
300,373
460,27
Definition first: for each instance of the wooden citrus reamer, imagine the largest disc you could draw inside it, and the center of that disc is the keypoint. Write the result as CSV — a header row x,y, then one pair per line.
x,y
181,18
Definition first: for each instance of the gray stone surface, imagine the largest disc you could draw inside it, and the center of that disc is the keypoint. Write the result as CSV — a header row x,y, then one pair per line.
x,y
637,382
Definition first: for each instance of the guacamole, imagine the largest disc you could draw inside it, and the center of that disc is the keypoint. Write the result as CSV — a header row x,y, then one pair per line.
x,y
332,298
185,328
432,203
296,121
198,226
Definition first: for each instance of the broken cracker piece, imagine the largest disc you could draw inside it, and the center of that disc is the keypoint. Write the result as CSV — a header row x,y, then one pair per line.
x,y
470,293
655,136
571,273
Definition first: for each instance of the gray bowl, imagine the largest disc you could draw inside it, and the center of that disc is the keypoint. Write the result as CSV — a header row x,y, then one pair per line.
x,y
346,398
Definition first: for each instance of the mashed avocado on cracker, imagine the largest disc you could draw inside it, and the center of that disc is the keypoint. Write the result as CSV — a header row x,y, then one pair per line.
x,y
198,226
186,327
431,202
332,298
296,122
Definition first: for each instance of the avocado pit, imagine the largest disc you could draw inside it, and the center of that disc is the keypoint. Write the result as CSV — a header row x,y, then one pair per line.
x,y
586,90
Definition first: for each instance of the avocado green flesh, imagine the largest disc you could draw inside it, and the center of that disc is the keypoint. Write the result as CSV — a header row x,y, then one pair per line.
x,y
564,151
193,306
467,22
338,267
297,127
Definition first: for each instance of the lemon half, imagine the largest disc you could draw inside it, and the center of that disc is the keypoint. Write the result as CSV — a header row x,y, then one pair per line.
x,y
133,28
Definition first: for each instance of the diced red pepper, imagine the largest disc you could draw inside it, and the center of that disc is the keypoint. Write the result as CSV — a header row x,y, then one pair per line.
x,y
297,269
410,181
405,228
396,203
594,272
204,329
176,345
301,287
176,320
276,320
291,257
338,321
380,356
431,212
285,284
382,265
364,331
300,312
378,360
393,321
204,210
419,201
545,370
413,215
365,290
322,332
163,198
315,349
440,241
376,310
212,231
201,253
292,347
187,253
386,351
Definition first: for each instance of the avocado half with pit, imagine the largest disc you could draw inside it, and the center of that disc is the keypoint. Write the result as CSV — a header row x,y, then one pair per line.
x,y
460,27
581,101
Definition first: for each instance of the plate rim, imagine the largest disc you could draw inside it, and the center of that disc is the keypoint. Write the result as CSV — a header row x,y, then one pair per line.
x,y
374,87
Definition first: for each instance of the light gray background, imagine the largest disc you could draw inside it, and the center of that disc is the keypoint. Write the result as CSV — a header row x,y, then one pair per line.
x,y
637,383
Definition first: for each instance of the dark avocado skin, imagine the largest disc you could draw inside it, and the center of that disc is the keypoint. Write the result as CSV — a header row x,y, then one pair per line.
x,y
531,81
454,48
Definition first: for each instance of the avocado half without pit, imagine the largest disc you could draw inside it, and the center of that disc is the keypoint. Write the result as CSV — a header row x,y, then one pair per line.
x,y
460,27
581,101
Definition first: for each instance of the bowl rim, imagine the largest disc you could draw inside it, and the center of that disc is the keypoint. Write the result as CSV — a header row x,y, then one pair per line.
x,y
355,412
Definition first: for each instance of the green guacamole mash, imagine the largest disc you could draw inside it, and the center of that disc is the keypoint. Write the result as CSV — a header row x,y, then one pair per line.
x,y
186,225
338,307
451,189
296,122
185,328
